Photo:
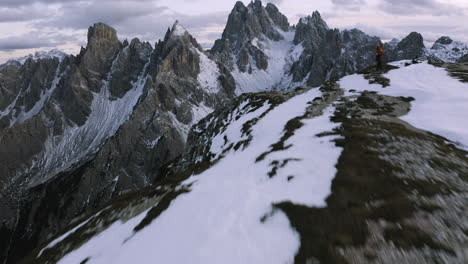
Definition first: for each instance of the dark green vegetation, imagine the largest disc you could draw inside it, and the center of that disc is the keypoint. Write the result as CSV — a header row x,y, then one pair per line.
x,y
375,75
369,188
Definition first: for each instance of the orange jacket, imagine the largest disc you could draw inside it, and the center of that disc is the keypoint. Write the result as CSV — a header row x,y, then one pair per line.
x,y
379,51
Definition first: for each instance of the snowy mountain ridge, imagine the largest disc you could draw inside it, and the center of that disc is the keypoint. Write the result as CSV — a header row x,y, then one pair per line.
x,y
86,129
54,53
261,178
449,50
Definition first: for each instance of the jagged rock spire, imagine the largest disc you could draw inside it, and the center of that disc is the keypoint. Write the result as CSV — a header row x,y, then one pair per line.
x,y
245,24
310,28
445,40
100,32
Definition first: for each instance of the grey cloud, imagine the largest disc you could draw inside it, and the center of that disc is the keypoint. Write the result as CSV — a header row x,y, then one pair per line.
x,y
350,5
79,16
275,2
19,3
152,28
34,40
419,7
22,14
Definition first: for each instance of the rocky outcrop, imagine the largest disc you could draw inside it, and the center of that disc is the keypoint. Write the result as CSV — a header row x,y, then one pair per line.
x,y
411,47
329,53
445,40
278,18
447,50
311,30
463,59
8,89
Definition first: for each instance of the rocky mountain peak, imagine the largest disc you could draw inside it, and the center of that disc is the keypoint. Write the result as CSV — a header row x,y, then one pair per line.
x,y
178,29
411,47
179,52
95,61
310,27
101,33
394,42
254,21
414,39
245,25
314,20
449,50
256,4
444,41
280,20
178,34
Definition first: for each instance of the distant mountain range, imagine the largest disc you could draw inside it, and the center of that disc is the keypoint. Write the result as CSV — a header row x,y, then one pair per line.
x,y
78,131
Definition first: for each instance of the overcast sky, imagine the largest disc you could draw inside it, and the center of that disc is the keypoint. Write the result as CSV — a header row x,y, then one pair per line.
x,y
30,25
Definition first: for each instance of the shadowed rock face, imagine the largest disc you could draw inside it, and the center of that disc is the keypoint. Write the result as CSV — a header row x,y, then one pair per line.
x,y
246,23
443,41
329,53
464,59
8,89
411,47
280,20
106,121
311,29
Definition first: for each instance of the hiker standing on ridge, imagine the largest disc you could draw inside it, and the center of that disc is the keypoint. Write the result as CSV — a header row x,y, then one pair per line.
x,y
379,53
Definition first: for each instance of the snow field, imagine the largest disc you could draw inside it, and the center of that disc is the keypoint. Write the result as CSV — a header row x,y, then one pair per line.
x,y
441,102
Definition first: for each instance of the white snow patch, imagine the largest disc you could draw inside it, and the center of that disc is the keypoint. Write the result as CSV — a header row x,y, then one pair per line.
x,y
219,221
441,102
153,143
209,73
281,54
450,52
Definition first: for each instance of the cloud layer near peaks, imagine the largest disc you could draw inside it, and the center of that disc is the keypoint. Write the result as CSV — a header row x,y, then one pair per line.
x,y
43,24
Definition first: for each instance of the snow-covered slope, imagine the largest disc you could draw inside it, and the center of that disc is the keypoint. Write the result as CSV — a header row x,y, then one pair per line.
x,y
448,50
440,100
275,177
